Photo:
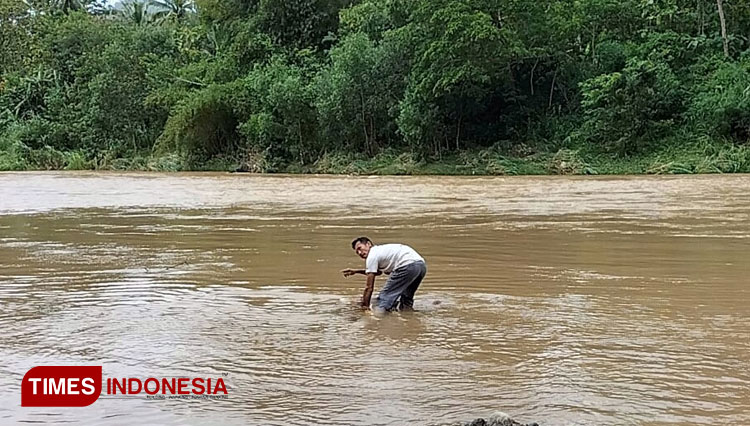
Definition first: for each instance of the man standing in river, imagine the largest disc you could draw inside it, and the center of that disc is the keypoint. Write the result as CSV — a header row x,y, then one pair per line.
x,y
405,267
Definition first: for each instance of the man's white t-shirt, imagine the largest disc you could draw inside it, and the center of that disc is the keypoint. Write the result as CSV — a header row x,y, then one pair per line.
x,y
389,257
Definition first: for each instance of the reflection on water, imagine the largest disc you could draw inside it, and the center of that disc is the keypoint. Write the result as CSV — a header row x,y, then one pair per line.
x,y
561,300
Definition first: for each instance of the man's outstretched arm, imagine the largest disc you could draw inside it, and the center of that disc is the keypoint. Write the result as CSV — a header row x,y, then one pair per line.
x,y
348,272
369,286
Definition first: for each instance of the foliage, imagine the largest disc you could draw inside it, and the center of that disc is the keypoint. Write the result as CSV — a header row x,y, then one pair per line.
x,y
357,95
175,10
721,103
202,125
459,73
628,109
376,86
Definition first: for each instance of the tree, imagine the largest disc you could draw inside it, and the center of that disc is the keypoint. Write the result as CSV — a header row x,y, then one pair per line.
x,y
16,35
299,23
68,5
722,20
460,69
137,12
625,111
177,10
277,102
354,97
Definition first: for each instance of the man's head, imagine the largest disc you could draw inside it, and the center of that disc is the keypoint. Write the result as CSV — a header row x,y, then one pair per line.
x,y
362,246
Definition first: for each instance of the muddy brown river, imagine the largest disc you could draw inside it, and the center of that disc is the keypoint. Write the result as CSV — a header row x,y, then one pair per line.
x,y
560,300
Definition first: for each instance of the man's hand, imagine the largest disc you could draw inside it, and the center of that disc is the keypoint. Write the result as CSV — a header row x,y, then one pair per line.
x,y
348,272
368,290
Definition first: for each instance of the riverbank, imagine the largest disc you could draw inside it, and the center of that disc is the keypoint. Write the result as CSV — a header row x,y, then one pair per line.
x,y
690,158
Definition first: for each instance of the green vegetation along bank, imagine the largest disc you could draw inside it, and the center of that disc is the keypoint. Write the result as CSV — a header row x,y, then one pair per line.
x,y
377,86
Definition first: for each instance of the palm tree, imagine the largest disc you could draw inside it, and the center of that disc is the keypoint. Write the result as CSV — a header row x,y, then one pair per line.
x,y
137,12
173,9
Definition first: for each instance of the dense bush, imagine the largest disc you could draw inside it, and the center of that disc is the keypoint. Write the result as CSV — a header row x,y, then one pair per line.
x,y
631,108
721,103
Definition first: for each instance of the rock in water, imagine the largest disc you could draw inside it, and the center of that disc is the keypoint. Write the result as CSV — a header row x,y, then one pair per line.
x,y
497,419
501,419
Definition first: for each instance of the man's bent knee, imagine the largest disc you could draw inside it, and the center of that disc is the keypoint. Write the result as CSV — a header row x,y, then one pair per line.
x,y
386,303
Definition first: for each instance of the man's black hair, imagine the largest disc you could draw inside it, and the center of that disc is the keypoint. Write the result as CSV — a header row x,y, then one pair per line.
x,y
363,240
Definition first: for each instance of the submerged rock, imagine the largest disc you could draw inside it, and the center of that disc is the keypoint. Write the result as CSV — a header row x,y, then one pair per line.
x,y
497,419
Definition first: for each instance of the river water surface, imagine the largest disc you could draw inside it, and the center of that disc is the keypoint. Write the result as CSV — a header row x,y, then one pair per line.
x,y
591,301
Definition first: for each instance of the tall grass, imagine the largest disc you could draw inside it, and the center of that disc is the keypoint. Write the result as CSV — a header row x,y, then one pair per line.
x,y
676,156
